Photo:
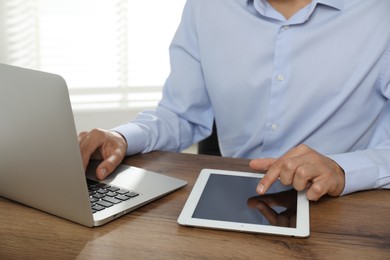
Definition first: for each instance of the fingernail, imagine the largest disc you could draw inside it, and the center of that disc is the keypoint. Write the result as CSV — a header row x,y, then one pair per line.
x,y
103,173
260,188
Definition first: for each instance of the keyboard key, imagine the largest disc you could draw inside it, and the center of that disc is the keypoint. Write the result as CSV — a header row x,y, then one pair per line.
x,y
122,191
132,194
102,191
98,195
93,199
112,200
122,197
97,207
111,194
112,188
104,203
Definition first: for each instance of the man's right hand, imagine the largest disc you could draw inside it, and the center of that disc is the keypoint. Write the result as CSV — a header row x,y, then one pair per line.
x,y
103,145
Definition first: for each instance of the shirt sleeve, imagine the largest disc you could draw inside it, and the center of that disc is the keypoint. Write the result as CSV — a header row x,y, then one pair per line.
x,y
184,115
370,168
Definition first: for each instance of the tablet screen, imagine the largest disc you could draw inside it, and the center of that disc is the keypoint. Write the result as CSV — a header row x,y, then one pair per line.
x,y
234,199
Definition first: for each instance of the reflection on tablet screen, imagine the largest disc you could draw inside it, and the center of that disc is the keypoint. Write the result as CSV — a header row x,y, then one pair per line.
x,y
234,198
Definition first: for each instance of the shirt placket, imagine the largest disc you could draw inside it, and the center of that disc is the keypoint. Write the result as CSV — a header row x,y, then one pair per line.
x,y
279,86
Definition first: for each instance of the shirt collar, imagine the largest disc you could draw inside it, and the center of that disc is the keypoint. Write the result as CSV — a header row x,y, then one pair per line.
x,y
338,4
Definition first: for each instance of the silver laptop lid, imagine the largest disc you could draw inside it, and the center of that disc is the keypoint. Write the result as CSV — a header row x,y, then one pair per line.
x,y
40,161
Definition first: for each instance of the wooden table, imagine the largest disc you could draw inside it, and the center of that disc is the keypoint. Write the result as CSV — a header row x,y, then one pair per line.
x,y
351,227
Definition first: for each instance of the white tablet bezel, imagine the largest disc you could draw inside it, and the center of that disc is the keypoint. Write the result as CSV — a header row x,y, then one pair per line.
x,y
302,228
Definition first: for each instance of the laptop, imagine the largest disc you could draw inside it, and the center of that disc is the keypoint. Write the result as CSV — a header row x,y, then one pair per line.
x,y
40,160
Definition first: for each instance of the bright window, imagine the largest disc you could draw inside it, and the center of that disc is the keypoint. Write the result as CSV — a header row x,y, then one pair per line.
x,y
112,53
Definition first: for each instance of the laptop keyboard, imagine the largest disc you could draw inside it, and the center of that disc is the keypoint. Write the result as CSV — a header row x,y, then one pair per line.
x,y
103,196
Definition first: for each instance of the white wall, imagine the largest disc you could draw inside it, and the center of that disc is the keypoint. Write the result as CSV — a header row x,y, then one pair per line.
x,y
106,119
2,37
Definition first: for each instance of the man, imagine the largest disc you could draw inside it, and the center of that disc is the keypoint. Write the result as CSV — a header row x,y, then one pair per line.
x,y
301,87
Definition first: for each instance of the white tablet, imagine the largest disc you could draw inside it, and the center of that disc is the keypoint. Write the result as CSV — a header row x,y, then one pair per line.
x,y
228,200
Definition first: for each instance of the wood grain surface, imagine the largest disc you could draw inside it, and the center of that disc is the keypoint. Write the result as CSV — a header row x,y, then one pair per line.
x,y
355,226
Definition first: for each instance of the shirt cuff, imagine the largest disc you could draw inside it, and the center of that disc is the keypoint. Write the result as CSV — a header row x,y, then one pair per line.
x,y
135,137
360,172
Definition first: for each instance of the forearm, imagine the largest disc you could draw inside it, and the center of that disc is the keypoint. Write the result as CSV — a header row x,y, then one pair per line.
x,y
161,130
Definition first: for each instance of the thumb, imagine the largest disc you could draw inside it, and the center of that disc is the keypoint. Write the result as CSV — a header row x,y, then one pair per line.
x,y
107,166
101,172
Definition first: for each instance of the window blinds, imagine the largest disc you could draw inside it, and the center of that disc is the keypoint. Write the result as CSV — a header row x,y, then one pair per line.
x,y
112,53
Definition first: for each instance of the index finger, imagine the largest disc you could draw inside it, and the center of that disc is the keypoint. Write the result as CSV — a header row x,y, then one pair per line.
x,y
274,171
269,178
262,164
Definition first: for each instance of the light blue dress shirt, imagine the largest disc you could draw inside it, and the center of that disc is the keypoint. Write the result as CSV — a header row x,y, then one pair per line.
x,y
321,78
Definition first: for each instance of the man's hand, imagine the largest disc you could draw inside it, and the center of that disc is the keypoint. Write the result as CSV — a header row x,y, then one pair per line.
x,y
102,145
302,167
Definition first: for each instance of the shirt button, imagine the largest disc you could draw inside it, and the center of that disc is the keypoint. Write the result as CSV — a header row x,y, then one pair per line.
x,y
274,127
285,27
280,77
